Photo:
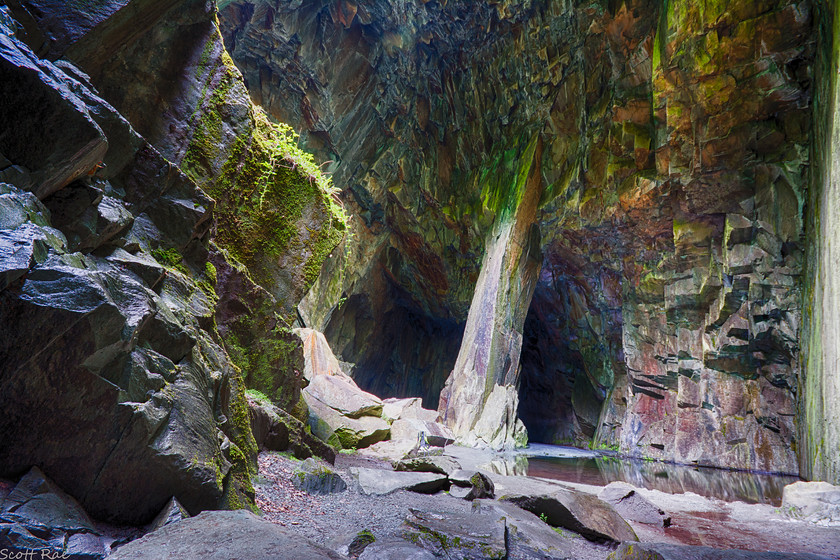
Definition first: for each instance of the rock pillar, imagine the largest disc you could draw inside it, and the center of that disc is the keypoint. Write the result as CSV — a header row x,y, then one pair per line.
x,y
479,401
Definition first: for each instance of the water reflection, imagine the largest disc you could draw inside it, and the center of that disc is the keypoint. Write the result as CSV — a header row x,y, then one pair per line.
x,y
727,485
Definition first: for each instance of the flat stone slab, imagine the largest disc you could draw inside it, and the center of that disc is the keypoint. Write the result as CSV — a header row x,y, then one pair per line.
x,y
378,482
579,512
395,549
661,551
457,536
527,535
433,463
222,535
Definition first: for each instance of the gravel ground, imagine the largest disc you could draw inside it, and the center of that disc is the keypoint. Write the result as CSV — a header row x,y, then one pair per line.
x,y
334,520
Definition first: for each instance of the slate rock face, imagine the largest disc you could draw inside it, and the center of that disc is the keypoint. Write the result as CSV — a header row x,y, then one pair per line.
x,y
674,166
316,478
115,379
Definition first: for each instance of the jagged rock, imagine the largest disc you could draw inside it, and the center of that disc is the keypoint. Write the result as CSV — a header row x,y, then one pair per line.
x,y
377,482
344,396
632,506
143,265
343,432
480,487
276,430
661,551
56,145
579,512
433,464
37,514
221,535
172,512
457,536
818,502
87,217
409,429
316,478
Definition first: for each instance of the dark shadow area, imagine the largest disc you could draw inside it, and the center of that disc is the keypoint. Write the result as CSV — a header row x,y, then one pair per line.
x,y
397,350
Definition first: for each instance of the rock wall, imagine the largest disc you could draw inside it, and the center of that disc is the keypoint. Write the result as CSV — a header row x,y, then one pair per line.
x,y
819,385
120,372
674,168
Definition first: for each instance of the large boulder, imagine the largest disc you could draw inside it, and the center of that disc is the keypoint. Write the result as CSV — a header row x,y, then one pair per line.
x,y
378,482
395,409
431,463
318,356
579,512
276,430
818,502
342,431
410,429
222,535
344,396
528,536
395,549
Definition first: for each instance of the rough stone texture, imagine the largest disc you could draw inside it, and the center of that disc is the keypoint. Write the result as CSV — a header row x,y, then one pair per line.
x,y
222,535
276,430
378,482
818,502
396,549
481,487
115,379
528,537
675,148
462,537
632,506
819,384
341,431
172,512
315,477
659,551
344,396
409,430
579,512
433,464
37,514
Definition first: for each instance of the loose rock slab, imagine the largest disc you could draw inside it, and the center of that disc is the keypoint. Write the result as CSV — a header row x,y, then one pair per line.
x,y
222,535
660,551
818,502
432,463
631,505
579,512
378,482
315,477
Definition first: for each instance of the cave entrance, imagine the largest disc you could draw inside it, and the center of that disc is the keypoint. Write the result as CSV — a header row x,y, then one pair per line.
x,y
397,350
571,340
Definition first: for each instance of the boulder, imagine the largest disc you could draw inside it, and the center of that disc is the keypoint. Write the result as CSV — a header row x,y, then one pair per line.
x,y
222,535
528,536
457,536
277,430
389,450
409,429
341,431
480,487
318,356
395,549
431,463
87,216
579,512
343,395
314,477
662,551
818,502
395,409
377,482
631,505
37,514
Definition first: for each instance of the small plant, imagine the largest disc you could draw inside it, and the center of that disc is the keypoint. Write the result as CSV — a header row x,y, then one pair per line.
x,y
543,518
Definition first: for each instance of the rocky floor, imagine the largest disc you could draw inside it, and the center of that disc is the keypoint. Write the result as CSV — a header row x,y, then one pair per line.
x,y
334,520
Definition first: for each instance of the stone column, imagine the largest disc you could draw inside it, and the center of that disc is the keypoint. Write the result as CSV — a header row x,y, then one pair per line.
x,y
479,401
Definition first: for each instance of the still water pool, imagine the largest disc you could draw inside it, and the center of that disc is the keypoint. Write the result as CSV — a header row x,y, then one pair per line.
x,y
574,465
